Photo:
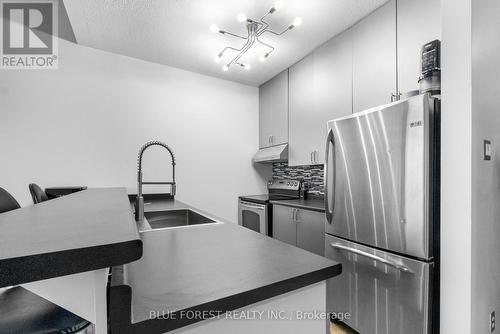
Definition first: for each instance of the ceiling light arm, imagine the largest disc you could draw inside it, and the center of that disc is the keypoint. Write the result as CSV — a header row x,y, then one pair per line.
x,y
251,40
269,46
265,25
240,50
237,50
229,47
231,34
249,44
277,33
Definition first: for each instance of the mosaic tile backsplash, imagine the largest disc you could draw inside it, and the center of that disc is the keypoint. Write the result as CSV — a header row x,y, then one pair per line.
x,y
312,176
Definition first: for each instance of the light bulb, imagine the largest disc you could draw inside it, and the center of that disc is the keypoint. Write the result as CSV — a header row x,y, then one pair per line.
x,y
278,4
214,28
246,66
225,68
241,17
217,59
297,22
262,58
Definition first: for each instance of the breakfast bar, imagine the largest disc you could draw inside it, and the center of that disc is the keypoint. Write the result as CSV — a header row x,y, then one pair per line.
x,y
61,249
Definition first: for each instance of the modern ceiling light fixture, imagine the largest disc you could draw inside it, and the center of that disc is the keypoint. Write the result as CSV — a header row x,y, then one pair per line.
x,y
254,30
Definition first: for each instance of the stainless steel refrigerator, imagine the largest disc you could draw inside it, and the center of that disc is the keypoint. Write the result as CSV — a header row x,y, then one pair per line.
x,y
382,217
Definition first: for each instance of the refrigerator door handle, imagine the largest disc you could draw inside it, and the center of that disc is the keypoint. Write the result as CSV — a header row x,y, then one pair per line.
x,y
395,265
330,139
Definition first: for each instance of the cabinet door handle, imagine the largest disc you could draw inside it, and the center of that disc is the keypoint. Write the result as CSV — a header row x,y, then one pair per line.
x,y
312,160
272,140
315,157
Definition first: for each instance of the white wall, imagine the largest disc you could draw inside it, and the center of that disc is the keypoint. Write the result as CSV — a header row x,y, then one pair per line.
x,y
485,174
84,123
471,186
456,120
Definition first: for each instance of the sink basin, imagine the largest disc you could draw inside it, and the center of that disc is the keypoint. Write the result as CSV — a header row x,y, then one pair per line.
x,y
174,218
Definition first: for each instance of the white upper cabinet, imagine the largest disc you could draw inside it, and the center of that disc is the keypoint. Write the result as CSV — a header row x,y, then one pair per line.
x,y
273,111
320,90
265,111
363,67
419,22
374,58
332,85
302,112
279,116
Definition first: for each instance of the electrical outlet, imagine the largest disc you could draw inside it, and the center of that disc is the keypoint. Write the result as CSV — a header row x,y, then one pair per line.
x,y
492,321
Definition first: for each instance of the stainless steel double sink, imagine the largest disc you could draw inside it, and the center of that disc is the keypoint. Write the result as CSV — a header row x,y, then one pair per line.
x,y
176,218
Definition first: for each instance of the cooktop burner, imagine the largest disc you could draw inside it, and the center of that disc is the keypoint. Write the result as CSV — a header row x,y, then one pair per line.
x,y
278,190
264,199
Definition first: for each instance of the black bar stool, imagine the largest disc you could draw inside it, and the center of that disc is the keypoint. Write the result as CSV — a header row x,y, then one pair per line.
x,y
37,194
7,202
23,312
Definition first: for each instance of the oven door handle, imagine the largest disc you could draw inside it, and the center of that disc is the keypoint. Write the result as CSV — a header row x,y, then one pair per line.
x,y
253,206
395,265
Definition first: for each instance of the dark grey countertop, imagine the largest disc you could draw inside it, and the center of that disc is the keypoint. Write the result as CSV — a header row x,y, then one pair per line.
x,y
84,231
205,267
315,204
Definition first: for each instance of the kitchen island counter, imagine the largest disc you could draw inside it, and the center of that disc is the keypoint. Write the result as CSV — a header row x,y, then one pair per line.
x,y
214,267
84,231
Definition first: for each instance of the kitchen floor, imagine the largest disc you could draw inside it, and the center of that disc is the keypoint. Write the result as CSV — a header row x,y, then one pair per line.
x,y
339,329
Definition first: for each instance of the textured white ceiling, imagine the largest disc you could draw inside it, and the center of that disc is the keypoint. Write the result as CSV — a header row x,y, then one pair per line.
x,y
176,32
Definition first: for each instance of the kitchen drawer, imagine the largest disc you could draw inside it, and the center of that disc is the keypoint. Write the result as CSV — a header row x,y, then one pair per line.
x,y
381,298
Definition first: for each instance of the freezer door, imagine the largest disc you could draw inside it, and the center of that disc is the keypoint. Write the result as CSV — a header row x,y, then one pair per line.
x,y
383,293
377,177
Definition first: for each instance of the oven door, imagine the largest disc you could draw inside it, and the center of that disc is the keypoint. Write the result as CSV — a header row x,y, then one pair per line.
x,y
253,216
383,293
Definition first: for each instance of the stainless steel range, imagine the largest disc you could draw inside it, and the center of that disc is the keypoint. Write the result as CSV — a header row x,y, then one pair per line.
x,y
255,210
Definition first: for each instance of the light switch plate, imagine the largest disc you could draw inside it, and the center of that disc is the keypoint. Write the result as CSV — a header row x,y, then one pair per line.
x,y
487,150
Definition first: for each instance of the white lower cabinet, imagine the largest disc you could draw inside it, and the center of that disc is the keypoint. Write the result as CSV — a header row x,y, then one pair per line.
x,y
300,227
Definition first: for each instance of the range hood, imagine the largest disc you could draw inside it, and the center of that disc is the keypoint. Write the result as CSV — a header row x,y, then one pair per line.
x,y
272,154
